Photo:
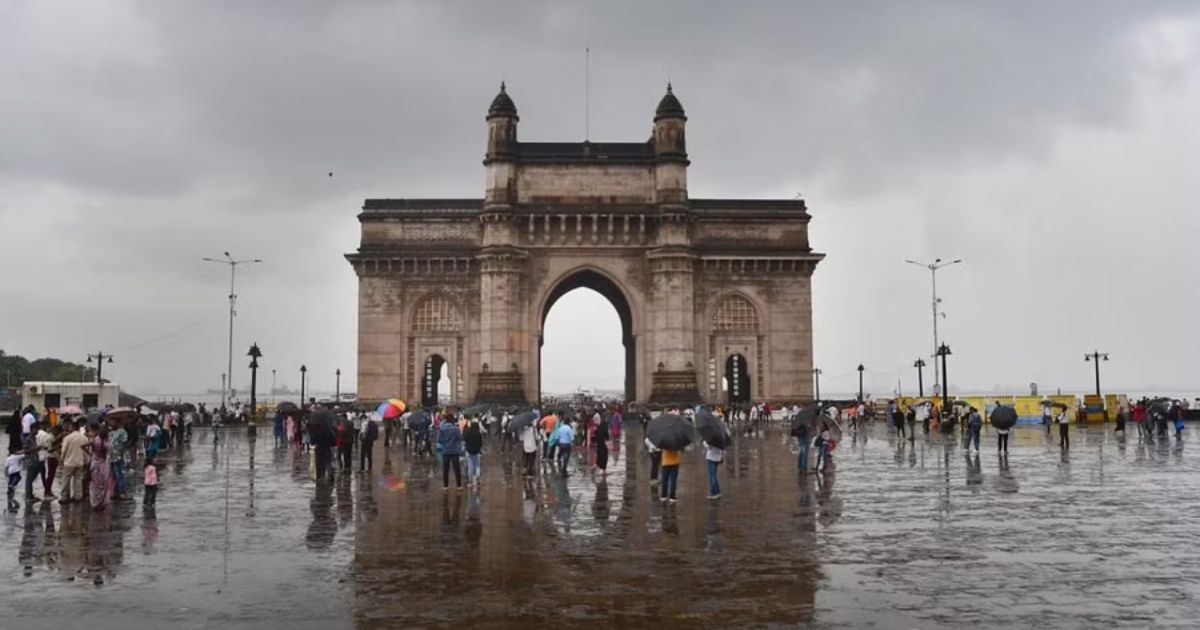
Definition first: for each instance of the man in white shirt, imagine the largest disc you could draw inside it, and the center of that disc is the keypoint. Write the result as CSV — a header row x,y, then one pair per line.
x,y
1064,439
27,420
529,449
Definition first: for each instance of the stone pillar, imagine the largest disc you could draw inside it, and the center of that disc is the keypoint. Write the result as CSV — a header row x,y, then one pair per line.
x,y
500,379
672,310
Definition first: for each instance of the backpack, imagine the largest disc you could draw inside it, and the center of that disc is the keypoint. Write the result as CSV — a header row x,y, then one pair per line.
x,y
372,432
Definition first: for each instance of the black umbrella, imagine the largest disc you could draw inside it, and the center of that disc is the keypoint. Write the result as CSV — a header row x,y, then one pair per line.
x,y
418,419
287,407
712,430
476,410
322,416
670,431
804,418
520,421
1059,405
1004,417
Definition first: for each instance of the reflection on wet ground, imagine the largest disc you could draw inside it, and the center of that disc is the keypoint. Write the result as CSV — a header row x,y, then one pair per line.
x,y
902,535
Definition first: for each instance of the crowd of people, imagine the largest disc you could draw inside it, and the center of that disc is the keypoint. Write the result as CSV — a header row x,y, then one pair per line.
x,y
88,455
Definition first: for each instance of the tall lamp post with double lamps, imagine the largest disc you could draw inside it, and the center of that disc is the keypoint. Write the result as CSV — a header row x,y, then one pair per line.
x,y
1096,357
233,265
943,351
933,269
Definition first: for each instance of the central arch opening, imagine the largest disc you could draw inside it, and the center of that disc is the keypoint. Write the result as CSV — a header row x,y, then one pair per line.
x,y
588,352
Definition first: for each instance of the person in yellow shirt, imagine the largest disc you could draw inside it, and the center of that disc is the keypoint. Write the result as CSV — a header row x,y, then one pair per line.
x,y
670,475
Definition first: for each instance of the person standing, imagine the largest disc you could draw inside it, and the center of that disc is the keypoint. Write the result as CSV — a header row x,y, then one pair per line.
x,y
153,434
277,425
529,449
52,447
803,433
13,429
713,456
118,439
33,464
565,435
1064,438
149,483
13,466
28,419
975,424
655,460
98,449
823,444
670,475
345,445
74,458
449,443
1002,444
601,437
366,450
473,443
1046,415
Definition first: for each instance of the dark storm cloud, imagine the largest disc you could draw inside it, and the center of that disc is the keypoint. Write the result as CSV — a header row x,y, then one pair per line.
x,y
180,130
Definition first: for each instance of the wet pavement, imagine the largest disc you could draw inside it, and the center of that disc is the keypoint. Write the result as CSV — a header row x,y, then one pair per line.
x,y
902,535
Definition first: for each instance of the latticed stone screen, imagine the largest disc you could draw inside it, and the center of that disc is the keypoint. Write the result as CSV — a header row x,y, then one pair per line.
x,y
735,313
436,314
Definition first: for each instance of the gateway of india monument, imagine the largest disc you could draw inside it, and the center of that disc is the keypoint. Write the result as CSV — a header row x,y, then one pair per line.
x,y
714,295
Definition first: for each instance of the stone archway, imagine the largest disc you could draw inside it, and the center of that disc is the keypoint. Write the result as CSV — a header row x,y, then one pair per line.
x,y
434,365
589,278
737,379
614,217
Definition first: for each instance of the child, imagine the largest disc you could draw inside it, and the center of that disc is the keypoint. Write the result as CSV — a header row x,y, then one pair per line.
x,y
13,467
150,482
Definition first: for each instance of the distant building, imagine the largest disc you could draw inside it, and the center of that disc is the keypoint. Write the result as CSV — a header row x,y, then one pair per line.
x,y
50,395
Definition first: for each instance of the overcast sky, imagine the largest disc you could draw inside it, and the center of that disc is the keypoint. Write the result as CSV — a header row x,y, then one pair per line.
x,y
1052,145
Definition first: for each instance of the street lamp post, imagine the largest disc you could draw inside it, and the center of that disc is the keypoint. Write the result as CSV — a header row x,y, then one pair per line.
x,y
817,393
1095,357
254,354
920,365
229,260
933,269
337,388
860,382
272,386
944,351
99,358
303,372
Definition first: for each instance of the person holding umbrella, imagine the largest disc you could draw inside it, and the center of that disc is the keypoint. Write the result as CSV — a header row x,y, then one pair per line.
x,y
716,438
670,475
713,456
1003,418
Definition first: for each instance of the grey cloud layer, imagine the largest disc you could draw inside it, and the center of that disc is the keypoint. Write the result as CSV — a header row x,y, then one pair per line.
x,y
183,129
